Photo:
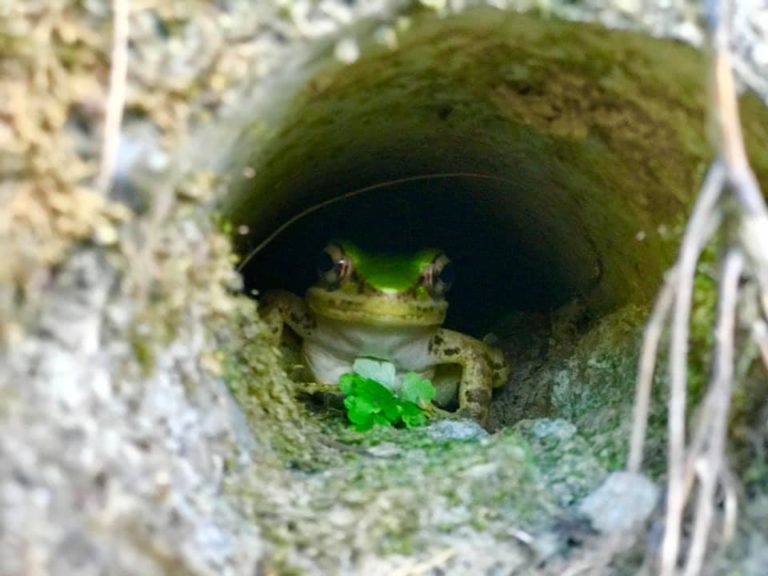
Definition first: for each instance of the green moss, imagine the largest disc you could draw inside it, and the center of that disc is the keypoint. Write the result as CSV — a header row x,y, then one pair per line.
x,y
253,372
748,431
598,150
407,486
594,385
566,460
702,333
589,375
280,566
411,478
143,352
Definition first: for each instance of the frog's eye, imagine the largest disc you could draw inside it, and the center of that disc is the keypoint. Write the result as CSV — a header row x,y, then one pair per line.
x,y
333,266
439,275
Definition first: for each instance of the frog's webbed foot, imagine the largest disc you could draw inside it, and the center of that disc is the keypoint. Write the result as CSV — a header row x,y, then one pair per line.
x,y
500,369
315,388
435,413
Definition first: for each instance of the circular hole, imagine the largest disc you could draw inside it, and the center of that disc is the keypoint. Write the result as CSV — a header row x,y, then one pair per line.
x,y
552,162
505,258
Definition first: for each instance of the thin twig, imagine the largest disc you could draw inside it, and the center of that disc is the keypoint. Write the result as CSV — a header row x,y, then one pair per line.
x,y
694,240
726,107
746,189
648,356
358,192
701,435
698,445
730,503
720,390
116,98
704,458
754,224
760,336
646,369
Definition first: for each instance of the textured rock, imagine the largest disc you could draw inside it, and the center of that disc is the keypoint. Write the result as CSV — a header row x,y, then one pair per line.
x,y
623,502
121,448
103,471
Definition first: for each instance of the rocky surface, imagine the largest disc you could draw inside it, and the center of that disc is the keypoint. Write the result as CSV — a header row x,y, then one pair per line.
x,y
622,503
106,470
122,450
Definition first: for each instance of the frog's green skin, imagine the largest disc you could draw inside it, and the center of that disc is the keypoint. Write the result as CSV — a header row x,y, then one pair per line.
x,y
391,308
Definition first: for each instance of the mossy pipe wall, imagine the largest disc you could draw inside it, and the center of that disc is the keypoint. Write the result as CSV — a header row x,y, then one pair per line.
x,y
545,157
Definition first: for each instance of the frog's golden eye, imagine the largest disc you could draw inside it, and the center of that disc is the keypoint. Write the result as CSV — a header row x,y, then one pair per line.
x,y
439,275
333,266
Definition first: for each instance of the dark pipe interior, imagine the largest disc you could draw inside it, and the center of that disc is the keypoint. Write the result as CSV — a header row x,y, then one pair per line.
x,y
576,144
501,262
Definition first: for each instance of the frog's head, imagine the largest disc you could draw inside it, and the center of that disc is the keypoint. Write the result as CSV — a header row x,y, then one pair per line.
x,y
390,290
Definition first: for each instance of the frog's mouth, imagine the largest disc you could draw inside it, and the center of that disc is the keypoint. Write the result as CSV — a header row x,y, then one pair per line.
x,y
378,309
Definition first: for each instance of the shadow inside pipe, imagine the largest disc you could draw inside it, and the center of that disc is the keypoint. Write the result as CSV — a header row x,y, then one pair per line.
x,y
508,259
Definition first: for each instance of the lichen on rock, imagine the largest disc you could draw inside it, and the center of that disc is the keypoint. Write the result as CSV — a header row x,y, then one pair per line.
x,y
146,425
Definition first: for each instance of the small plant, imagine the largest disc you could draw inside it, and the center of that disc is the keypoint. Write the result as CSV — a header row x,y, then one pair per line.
x,y
370,400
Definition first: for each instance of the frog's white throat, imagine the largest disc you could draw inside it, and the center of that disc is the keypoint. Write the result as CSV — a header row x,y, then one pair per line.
x,y
335,344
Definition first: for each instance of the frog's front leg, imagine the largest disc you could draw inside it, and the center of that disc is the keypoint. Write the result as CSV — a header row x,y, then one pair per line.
x,y
279,308
479,372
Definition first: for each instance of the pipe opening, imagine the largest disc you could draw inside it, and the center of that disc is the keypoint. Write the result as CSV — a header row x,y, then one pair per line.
x,y
507,255
553,162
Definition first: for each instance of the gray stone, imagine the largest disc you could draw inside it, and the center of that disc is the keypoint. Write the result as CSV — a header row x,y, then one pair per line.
x,y
456,430
623,502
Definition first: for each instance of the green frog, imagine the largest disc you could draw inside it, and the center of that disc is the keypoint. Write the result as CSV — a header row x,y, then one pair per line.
x,y
387,307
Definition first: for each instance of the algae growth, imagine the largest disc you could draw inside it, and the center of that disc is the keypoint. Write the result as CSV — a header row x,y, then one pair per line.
x,y
337,497
144,413
574,165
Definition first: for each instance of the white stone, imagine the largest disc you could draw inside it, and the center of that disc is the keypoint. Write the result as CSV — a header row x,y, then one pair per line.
x,y
347,50
623,502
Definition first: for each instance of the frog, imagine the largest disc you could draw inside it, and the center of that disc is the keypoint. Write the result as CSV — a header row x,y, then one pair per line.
x,y
389,307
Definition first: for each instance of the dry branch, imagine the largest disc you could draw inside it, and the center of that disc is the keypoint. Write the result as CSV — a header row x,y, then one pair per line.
x,y
696,236
116,99
709,461
700,466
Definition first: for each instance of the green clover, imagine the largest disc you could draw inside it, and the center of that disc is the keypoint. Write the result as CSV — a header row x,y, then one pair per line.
x,y
370,402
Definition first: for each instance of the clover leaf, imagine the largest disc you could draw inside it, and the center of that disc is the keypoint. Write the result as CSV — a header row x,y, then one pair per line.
x,y
380,371
370,402
360,412
381,397
412,414
417,389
